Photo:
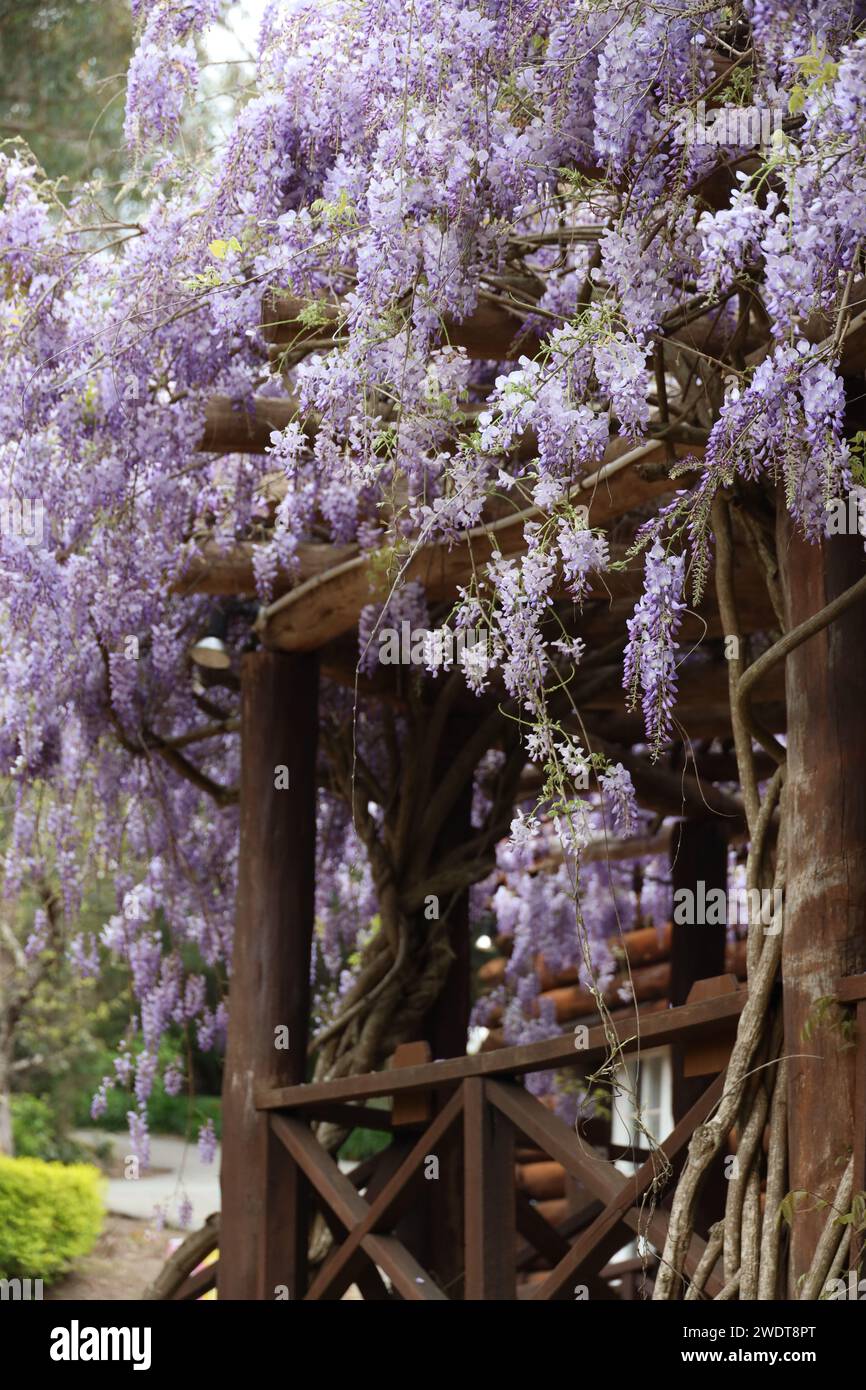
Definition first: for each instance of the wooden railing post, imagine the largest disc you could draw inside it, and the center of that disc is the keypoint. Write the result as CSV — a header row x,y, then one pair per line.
x,y
489,1185
263,1229
852,990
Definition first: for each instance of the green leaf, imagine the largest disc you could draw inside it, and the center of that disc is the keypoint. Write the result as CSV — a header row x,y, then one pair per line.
x,y
220,249
797,99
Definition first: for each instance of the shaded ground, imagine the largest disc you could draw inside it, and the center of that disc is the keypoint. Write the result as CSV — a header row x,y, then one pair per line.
x,y
125,1259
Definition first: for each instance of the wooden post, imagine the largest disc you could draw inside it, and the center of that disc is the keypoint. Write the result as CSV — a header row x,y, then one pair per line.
x,y
448,1020
447,1024
263,1236
852,991
699,862
491,1232
824,933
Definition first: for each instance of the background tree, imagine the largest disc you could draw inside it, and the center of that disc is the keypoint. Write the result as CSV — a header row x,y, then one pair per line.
x,y
62,76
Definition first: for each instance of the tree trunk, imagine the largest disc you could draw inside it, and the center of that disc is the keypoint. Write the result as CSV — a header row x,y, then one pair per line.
x,y
6,1145
825,910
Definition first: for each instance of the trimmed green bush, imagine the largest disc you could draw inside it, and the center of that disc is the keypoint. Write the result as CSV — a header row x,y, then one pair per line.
x,y
49,1214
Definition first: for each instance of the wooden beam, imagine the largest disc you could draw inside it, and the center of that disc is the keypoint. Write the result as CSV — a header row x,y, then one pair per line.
x,y
491,1232
851,989
368,1279
385,1210
620,1195
231,427
601,1240
229,572
670,793
655,1029
489,332
262,1234
698,686
410,1280
352,1116
322,608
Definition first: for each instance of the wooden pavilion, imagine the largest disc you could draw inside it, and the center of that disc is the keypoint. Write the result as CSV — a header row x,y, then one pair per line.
x,y
470,1233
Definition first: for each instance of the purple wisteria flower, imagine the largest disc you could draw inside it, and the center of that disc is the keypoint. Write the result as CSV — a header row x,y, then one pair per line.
x,y
207,1142
619,793
650,655
583,552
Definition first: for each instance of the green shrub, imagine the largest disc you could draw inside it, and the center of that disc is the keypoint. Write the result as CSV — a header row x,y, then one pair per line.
x,y
49,1214
365,1143
362,1144
35,1132
165,1114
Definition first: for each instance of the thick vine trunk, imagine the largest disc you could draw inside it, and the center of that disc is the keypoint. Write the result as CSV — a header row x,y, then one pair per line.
x,y
825,910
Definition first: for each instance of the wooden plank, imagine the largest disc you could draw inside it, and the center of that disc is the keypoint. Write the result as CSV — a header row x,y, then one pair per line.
x,y
575,1221
414,1108
351,1116
213,569
321,1170
230,427
490,1230
408,1278
446,1024
594,1173
710,1054
262,1231
546,1129
368,1277
850,989
603,1237
321,609
410,1281
549,1241
386,1207
545,1239
664,1027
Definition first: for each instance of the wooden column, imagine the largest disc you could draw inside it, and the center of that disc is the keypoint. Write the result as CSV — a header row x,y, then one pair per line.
x,y
824,935
699,855
491,1248
263,1234
852,991
447,1024
448,1020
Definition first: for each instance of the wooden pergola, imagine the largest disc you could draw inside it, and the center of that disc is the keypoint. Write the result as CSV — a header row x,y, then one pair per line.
x,y
473,1230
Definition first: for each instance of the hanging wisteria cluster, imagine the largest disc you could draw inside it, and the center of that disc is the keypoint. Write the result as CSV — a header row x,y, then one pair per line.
x,y
394,170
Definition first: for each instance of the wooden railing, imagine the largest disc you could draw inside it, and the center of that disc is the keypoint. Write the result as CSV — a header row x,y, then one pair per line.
x,y
466,1114
473,1109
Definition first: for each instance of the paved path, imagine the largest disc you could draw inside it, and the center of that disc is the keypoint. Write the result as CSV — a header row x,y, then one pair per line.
x,y
180,1172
